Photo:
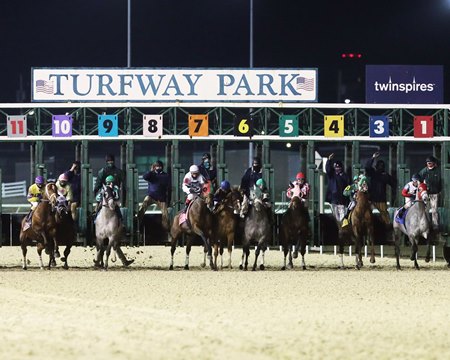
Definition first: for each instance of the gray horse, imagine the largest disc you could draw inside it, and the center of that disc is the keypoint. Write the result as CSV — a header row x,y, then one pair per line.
x,y
416,225
257,231
109,231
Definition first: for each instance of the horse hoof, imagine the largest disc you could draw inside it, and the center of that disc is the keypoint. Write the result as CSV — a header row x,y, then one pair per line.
x,y
171,267
427,259
57,254
241,267
372,261
128,262
63,259
304,267
261,267
283,268
253,268
295,254
53,263
186,267
202,265
65,267
24,268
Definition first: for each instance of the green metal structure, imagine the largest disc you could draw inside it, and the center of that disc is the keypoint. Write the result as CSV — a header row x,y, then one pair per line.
x,y
222,119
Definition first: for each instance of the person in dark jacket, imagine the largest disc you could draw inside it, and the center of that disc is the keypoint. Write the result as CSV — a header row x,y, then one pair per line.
x,y
337,182
379,179
158,192
74,176
208,171
103,173
431,176
251,176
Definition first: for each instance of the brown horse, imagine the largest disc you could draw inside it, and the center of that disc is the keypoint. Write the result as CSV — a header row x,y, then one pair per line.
x,y
225,222
199,223
294,230
361,226
43,227
65,228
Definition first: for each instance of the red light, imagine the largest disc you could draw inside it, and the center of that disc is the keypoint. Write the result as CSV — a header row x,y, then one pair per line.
x,y
351,55
359,56
343,56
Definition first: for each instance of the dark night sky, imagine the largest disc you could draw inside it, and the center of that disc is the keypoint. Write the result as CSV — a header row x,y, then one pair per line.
x,y
213,33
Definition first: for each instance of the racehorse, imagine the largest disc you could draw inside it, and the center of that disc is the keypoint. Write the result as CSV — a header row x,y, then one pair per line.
x,y
225,222
360,228
43,227
294,230
416,225
109,229
257,230
65,228
199,221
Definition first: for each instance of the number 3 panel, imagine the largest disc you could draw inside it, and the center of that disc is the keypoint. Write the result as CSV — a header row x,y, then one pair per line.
x,y
379,126
152,125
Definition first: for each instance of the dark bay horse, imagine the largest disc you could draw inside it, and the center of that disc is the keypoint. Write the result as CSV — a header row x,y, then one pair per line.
x,y
65,228
257,231
360,229
225,222
199,223
109,230
294,231
43,228
416,225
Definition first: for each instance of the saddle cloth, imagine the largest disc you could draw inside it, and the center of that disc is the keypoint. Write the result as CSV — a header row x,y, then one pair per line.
x,y
182,218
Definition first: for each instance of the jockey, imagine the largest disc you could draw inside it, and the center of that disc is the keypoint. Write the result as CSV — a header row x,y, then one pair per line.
x,y
221,193
359,184
35,193
208,171
99,198
409,193
299,188
261,192
64,188
192,184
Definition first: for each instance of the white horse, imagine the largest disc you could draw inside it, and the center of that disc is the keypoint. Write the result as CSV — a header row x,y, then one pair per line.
x,y
416,225
109,231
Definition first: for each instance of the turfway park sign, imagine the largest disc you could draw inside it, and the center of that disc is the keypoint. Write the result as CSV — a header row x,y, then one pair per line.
x,y
184,85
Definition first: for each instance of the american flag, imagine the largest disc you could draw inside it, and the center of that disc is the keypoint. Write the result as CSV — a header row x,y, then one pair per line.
x,y
44,86
304,83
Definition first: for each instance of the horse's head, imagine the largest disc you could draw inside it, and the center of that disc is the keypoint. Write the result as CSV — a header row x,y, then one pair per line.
x,y
233,200
422,192
244,206
108,198
295,203
51,193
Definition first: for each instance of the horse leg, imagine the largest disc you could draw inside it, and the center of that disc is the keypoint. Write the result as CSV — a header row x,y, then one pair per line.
x,y
188,251
263,249
98,262
413,257
66,255
108,253
303,252
372,251
341,256
230,248
285,253
173,246
257,251
24,256
216,253
428,255
397,248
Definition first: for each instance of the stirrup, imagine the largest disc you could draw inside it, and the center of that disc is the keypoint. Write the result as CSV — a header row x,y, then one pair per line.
x,y
344,222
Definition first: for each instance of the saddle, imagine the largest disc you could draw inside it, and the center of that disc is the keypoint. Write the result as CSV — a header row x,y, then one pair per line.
x,y
184,215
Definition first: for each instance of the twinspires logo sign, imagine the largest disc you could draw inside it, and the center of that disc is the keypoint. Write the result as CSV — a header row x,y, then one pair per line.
x,y
170,85
405,84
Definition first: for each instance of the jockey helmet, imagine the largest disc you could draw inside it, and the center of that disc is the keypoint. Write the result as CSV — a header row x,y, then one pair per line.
x,y
63,177
415,177
109,157
355,178
225,185
39,180
109,179
260,182
431,159
194,169
206,156
300,175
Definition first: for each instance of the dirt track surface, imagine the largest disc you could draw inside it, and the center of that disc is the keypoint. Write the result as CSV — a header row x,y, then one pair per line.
x,y
146,311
